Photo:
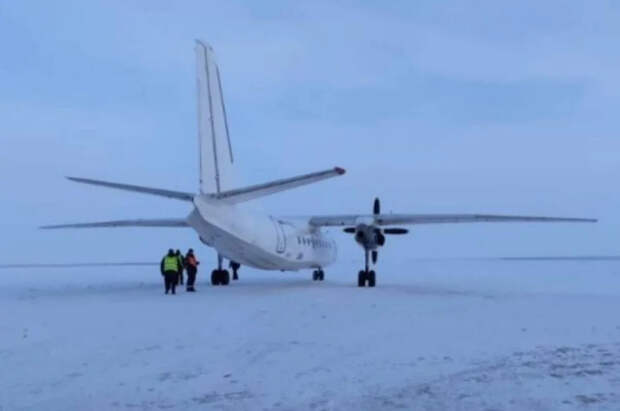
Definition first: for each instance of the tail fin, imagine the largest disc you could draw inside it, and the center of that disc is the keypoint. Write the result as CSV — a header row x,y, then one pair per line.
x,y
216,155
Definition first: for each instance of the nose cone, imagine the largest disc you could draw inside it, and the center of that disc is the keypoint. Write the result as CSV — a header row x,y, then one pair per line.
x,y
360,236
369,236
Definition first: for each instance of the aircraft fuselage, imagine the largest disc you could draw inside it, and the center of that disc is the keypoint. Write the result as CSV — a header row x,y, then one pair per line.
x,y
264,242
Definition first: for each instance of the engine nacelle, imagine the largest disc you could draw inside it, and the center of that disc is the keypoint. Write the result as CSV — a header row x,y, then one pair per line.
x,y
369,236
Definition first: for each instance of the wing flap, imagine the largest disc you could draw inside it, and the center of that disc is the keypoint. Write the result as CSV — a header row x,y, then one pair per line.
x,y
163,222
394,219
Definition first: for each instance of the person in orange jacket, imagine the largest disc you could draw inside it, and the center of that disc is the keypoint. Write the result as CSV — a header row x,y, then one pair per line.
x,y
191,265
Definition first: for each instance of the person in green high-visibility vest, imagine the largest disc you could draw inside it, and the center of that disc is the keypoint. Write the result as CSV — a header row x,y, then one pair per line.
x,y
170,271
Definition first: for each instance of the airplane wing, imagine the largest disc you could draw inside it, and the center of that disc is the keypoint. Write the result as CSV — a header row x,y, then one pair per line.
x,y
394,219
164,222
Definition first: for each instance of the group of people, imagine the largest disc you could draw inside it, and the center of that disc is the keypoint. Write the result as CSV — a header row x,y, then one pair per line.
x,y
172,266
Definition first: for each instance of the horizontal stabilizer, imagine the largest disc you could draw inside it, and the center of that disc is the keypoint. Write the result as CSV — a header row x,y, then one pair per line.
x,y
250,193
162,222
395,219
178,195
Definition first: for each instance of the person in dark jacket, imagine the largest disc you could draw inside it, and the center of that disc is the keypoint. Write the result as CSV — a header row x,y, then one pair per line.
x,y
181,264
170,271
191,265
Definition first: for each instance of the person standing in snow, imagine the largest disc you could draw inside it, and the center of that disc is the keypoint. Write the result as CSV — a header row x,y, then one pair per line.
x,y
191,265
170,271
181,263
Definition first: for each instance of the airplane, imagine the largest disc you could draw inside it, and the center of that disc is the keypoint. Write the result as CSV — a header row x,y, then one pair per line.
x,y
224,222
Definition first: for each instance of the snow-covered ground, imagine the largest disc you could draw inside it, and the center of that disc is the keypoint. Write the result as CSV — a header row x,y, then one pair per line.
x,y
436,335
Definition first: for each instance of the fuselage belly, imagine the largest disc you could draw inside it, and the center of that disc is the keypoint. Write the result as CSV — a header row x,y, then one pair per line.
x,y
262,242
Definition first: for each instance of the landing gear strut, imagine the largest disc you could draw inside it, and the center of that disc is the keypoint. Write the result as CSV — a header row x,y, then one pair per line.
x,y
318,275
235,269
366,276
220,276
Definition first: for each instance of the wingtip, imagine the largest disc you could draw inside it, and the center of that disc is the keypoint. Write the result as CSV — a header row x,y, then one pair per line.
x,y
340,170
587,220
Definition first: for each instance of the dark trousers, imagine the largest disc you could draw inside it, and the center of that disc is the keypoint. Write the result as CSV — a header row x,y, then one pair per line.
x,y
181,276
170,281
191,278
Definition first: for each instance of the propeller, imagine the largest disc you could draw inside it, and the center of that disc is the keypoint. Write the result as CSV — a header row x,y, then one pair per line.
x,y
376,210
361,234
371,236
380,237
395,231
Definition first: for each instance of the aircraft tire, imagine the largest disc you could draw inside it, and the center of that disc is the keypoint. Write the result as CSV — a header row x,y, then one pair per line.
x,y
215,277
371,279
315,275
361,279
321,275
225,277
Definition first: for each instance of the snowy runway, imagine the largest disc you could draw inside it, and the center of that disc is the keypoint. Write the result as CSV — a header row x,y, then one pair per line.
x,y
450,335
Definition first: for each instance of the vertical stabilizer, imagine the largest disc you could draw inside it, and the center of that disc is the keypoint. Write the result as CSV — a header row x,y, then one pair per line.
x,y
216,155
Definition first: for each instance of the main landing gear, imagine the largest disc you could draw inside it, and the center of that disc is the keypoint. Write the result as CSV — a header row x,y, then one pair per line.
x,y
219,276
318,275
235,268
366,276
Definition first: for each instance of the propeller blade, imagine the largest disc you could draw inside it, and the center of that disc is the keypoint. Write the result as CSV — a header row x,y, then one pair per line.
x,y
375,257
377,207
349,230
381,239
396,231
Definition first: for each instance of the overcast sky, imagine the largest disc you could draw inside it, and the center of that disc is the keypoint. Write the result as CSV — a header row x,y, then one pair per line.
x,y
439,107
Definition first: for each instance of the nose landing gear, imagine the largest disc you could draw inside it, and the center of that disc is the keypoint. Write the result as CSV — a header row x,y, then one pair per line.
x,y
318,275
366,276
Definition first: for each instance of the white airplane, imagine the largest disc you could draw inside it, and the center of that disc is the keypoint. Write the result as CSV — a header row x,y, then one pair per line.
x,y
262,241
